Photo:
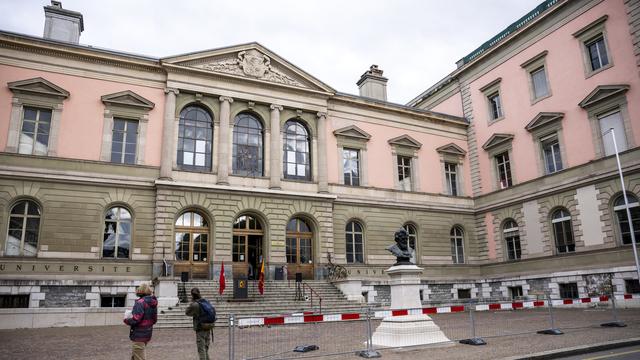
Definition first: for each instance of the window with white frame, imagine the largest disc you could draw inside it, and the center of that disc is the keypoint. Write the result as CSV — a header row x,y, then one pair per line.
x,y
351,166
117,233
457,245
511,235
23,231
539,82
503,167
404,172
495,106
297,162
612,120
413,239
124,141
551,153
593,42
354,242
624,230
451,178
248,150
195,138
563,231
34,134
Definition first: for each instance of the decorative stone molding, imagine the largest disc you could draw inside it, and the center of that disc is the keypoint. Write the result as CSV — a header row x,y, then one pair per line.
x,y
41,93
451,149
452,153
354,138
405,145
496,140
125,105
352,132
602,93
405,141
543,120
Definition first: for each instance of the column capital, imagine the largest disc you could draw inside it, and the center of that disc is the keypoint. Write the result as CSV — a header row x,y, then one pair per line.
x,y
321,114
171,90
226,99
276,107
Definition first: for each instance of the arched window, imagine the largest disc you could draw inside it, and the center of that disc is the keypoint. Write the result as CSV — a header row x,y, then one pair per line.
x,y
296,151
195,134
247,146
563,231
457,245
624,230
413,239
192,238
24,226
117,233
354,237
512,239
299,250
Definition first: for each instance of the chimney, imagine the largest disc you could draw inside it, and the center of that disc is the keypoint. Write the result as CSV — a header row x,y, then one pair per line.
x,y
372,84
61,24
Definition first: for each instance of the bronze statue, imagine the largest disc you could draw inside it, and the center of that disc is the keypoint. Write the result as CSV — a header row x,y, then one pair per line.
x,y
401,248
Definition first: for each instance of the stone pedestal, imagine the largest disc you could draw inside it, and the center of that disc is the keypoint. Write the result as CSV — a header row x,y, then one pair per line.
x,y
167,291
409,330
352,289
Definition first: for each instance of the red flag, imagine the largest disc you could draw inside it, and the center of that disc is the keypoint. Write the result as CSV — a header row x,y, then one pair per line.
x,y
221,281
261,279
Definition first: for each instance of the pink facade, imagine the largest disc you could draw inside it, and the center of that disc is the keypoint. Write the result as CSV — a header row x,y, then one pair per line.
x,y
83,112
452,105
568,86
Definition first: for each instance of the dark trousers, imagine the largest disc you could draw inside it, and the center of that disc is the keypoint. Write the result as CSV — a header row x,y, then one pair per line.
x,y
203,338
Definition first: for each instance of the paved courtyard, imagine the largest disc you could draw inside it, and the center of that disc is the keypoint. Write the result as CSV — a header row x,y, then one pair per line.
x,y
508,333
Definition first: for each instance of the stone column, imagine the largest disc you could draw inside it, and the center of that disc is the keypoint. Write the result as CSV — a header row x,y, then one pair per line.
x,y
276,148
323,182
223,142
166,164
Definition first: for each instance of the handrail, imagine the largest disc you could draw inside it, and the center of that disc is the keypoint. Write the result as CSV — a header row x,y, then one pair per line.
x,y
305,285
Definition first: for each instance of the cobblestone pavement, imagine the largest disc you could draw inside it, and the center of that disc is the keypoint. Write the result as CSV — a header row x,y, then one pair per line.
x,y
507,333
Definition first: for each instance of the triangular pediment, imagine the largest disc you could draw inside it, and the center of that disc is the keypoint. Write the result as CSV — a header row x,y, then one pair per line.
x,y
543,119
248,61
497,139
127,98
451,149
352,131
603,92
38,86
405,140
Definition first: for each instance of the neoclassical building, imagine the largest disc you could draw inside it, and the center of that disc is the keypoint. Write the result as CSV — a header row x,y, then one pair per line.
x,y
118,168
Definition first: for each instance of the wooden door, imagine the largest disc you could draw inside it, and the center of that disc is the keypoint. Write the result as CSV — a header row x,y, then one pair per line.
x,y
192,246
299,249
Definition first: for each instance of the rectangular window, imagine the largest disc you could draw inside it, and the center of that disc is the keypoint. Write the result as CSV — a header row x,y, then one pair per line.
x,y
631,286
597,52
504,170
239,248
123,141
539,82
612,121
351,166
551,154
515,292
451,178
14,301
404,172
569,291
113,301
457,251
464,293
495,104
34,135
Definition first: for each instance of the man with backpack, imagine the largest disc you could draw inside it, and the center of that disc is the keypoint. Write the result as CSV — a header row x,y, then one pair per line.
x,y
204,317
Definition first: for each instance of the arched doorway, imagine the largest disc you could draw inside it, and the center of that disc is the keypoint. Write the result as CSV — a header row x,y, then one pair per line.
x,y
247,246
299,248
192,245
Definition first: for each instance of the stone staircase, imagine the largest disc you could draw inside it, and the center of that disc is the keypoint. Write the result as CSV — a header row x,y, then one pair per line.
x,y
278,299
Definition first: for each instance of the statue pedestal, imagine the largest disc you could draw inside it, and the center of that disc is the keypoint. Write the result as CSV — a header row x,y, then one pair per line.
x,y
167,291
409,330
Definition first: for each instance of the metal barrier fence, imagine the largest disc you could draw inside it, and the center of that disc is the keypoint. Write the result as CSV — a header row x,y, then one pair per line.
x,y
474,323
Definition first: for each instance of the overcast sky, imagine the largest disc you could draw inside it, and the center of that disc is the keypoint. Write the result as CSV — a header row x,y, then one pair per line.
x,y
415,42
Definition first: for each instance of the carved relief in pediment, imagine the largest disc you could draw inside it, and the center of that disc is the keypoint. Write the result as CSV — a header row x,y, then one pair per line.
x,y
250,63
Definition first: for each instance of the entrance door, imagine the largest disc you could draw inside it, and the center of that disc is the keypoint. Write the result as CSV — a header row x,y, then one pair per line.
x,y
247,246
192,245
299,249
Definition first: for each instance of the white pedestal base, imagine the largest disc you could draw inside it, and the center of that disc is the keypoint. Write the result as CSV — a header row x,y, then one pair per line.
x,y
410,330
167,292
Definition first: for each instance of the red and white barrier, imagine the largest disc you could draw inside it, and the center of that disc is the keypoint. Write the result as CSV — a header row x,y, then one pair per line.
x,y
313,318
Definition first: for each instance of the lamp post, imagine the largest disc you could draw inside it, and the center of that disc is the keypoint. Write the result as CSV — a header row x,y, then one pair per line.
x,y
626,201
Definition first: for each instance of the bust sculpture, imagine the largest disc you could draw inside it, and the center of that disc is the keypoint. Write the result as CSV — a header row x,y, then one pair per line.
x,y
401,248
